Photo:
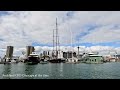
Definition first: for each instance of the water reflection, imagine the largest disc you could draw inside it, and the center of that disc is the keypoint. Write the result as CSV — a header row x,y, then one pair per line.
x,y
29,71
61,69
7,71
56,70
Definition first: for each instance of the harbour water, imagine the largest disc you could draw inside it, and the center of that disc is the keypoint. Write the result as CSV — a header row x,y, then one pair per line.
x,y
60,71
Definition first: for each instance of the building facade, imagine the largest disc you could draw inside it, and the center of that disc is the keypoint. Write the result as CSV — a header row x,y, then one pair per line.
x,y
9,52
29,51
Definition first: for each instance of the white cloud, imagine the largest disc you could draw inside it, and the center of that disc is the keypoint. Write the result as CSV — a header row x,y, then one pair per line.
x,y
22,28
101,35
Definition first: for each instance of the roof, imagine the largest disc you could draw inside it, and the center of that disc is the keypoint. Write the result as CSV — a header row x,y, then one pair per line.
x,y
91,53
33,56
96,55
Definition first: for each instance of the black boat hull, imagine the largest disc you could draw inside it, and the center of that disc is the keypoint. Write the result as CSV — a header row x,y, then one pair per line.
x,y
32,61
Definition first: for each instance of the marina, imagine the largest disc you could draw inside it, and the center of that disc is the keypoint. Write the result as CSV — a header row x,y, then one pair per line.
x,y
70,56
63,57
58,63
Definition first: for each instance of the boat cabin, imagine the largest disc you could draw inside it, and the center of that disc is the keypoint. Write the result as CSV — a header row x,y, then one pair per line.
x,y
94,59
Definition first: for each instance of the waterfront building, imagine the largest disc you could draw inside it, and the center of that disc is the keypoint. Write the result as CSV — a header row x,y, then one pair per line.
x,y
69,54
30,49
117,57
9,53
110,58
79,56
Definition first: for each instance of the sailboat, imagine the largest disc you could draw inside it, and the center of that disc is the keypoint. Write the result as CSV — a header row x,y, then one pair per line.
x,y
56,53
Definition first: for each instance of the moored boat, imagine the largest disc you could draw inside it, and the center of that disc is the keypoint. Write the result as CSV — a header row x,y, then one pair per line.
x,y
44,62
33,59
93,59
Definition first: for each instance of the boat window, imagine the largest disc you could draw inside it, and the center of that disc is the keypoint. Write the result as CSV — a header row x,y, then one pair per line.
x,y
95,60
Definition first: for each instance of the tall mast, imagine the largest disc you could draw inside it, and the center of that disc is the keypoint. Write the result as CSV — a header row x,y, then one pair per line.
x,y
53,42
58,44
56,39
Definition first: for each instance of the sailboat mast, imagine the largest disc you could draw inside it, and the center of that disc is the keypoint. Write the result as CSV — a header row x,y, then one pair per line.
x,y
56,39
58,44
53,42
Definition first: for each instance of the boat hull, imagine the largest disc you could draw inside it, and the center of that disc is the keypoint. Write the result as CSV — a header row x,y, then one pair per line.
x,y
31,63
57,61
43,62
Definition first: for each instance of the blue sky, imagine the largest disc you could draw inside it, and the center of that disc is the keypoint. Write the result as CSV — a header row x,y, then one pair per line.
x,y
2,13
90,28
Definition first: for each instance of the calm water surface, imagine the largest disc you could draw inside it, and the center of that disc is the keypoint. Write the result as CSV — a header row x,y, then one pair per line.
x,y
60,71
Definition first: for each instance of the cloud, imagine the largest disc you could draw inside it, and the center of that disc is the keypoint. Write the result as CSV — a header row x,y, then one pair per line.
x,y
37,26
22,28
102,35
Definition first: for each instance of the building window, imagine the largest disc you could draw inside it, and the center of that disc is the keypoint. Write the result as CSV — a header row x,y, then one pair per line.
x,y
95,60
